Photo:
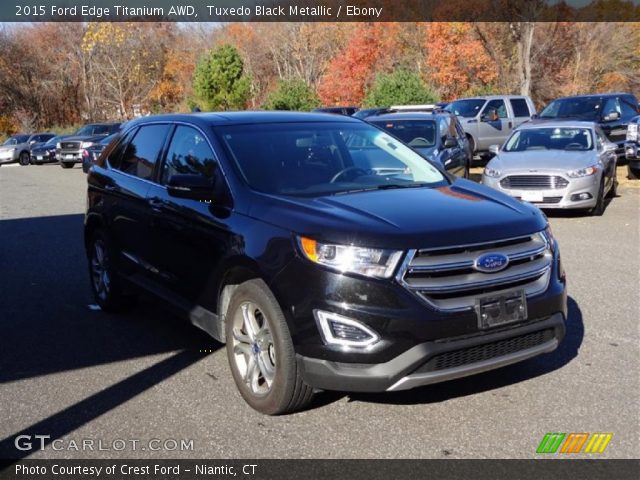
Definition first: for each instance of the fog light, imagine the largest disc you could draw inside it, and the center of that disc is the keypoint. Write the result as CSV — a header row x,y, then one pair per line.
x,y
580,196
339,330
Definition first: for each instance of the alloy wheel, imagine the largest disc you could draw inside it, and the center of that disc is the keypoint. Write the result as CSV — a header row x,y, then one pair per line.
x,y
253,349
99,270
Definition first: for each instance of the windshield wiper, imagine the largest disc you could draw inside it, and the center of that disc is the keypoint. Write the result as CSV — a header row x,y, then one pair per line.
x,y
392,186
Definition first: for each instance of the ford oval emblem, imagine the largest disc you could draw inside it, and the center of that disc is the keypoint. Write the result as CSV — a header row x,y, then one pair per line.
x,y
491,262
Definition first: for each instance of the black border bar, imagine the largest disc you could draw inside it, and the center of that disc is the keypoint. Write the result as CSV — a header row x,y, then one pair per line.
x,y
320,10
551,469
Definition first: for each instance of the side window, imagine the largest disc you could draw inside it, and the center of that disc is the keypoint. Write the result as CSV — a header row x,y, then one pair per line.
x,y
141,153
627,107
499,107
520,107
114,157
189,153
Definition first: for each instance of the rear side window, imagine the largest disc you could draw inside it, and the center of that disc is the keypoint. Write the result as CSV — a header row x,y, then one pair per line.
x,y
189,153
141,153
520,107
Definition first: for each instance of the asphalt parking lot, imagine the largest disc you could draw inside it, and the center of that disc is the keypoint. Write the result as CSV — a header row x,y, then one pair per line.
x,y
74,373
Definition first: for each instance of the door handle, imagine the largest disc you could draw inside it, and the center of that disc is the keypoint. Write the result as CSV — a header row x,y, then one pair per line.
x,y
510,125
156,204
110,188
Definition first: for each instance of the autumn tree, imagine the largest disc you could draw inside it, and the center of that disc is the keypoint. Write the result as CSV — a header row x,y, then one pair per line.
x,y
399,88
293,94
220,82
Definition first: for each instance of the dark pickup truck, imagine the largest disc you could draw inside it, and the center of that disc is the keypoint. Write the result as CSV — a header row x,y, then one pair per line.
x,y
69,151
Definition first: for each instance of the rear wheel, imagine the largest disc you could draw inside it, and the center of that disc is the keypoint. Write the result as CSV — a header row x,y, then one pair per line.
x,y
632,174
105,283
261,354
66,165
24,159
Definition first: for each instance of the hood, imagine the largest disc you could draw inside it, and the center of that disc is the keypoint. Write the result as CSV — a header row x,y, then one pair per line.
x,y
4,148
461,213
540,161
42,148
84,138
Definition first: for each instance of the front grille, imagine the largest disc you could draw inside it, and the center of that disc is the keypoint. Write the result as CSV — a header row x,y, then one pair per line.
x,y
547,200
70,145
534,182
487,351
447,279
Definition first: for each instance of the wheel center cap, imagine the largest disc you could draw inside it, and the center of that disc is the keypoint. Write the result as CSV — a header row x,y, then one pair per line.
x,y
256,348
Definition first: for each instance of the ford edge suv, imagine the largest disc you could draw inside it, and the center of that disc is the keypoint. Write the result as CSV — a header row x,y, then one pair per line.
x,y
318,274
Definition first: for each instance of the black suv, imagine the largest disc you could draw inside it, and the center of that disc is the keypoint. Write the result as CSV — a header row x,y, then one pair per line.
x,y
438,136
611,111
317,274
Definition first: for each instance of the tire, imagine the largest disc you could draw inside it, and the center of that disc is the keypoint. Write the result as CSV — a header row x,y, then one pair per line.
x,y
467,173
632,174
105,283
260,352
613,193
24,159
66,165
598,210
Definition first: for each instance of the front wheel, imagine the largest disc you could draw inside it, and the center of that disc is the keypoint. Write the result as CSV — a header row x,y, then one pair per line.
x,y
598,210
66,165
261,354
24,159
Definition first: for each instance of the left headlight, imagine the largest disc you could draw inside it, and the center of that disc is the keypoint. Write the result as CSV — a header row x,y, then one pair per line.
x,y
491,172
86,144
371,262
583,172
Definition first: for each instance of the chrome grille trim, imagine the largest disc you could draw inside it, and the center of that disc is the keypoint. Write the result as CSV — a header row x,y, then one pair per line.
x,y
449,282
534,182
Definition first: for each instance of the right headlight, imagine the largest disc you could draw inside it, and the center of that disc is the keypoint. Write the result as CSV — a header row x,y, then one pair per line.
x,y
632,132
370,262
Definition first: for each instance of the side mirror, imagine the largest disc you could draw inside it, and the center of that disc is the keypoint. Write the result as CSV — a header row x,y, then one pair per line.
x,y
495,149
450,142
610,117
534,116
195,187
32,142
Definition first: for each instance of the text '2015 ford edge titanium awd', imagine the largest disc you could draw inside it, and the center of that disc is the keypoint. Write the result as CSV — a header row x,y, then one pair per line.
x,y
269,232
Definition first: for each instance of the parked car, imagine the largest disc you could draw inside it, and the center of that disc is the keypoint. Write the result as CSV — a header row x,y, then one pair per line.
x,y
632,148
489,120
91,154
69,152
611,111
17,147
337,110
46,152
263,230
437,136
566,164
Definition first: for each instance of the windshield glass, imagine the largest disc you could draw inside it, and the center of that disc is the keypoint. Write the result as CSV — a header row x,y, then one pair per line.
x,y
565,138
16,139
586,108
53,140
415,133
466,108
86,130
313,159
107,140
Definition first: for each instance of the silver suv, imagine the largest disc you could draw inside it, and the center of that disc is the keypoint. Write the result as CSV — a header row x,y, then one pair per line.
x,y
489,120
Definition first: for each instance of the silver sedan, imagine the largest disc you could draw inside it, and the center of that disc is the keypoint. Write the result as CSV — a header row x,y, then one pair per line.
x,y
555,165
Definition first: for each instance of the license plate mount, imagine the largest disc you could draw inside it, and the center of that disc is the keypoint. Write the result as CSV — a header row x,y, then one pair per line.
x,y
532,197
496,310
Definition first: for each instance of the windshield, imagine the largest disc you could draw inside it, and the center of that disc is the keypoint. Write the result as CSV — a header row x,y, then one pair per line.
x,y
565,138
415,133
466,108
313,159
107,140
16,139
586,108
53,140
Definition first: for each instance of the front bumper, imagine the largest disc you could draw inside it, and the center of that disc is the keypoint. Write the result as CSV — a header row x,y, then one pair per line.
x,y
66,156
561,198
439,361
8,157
